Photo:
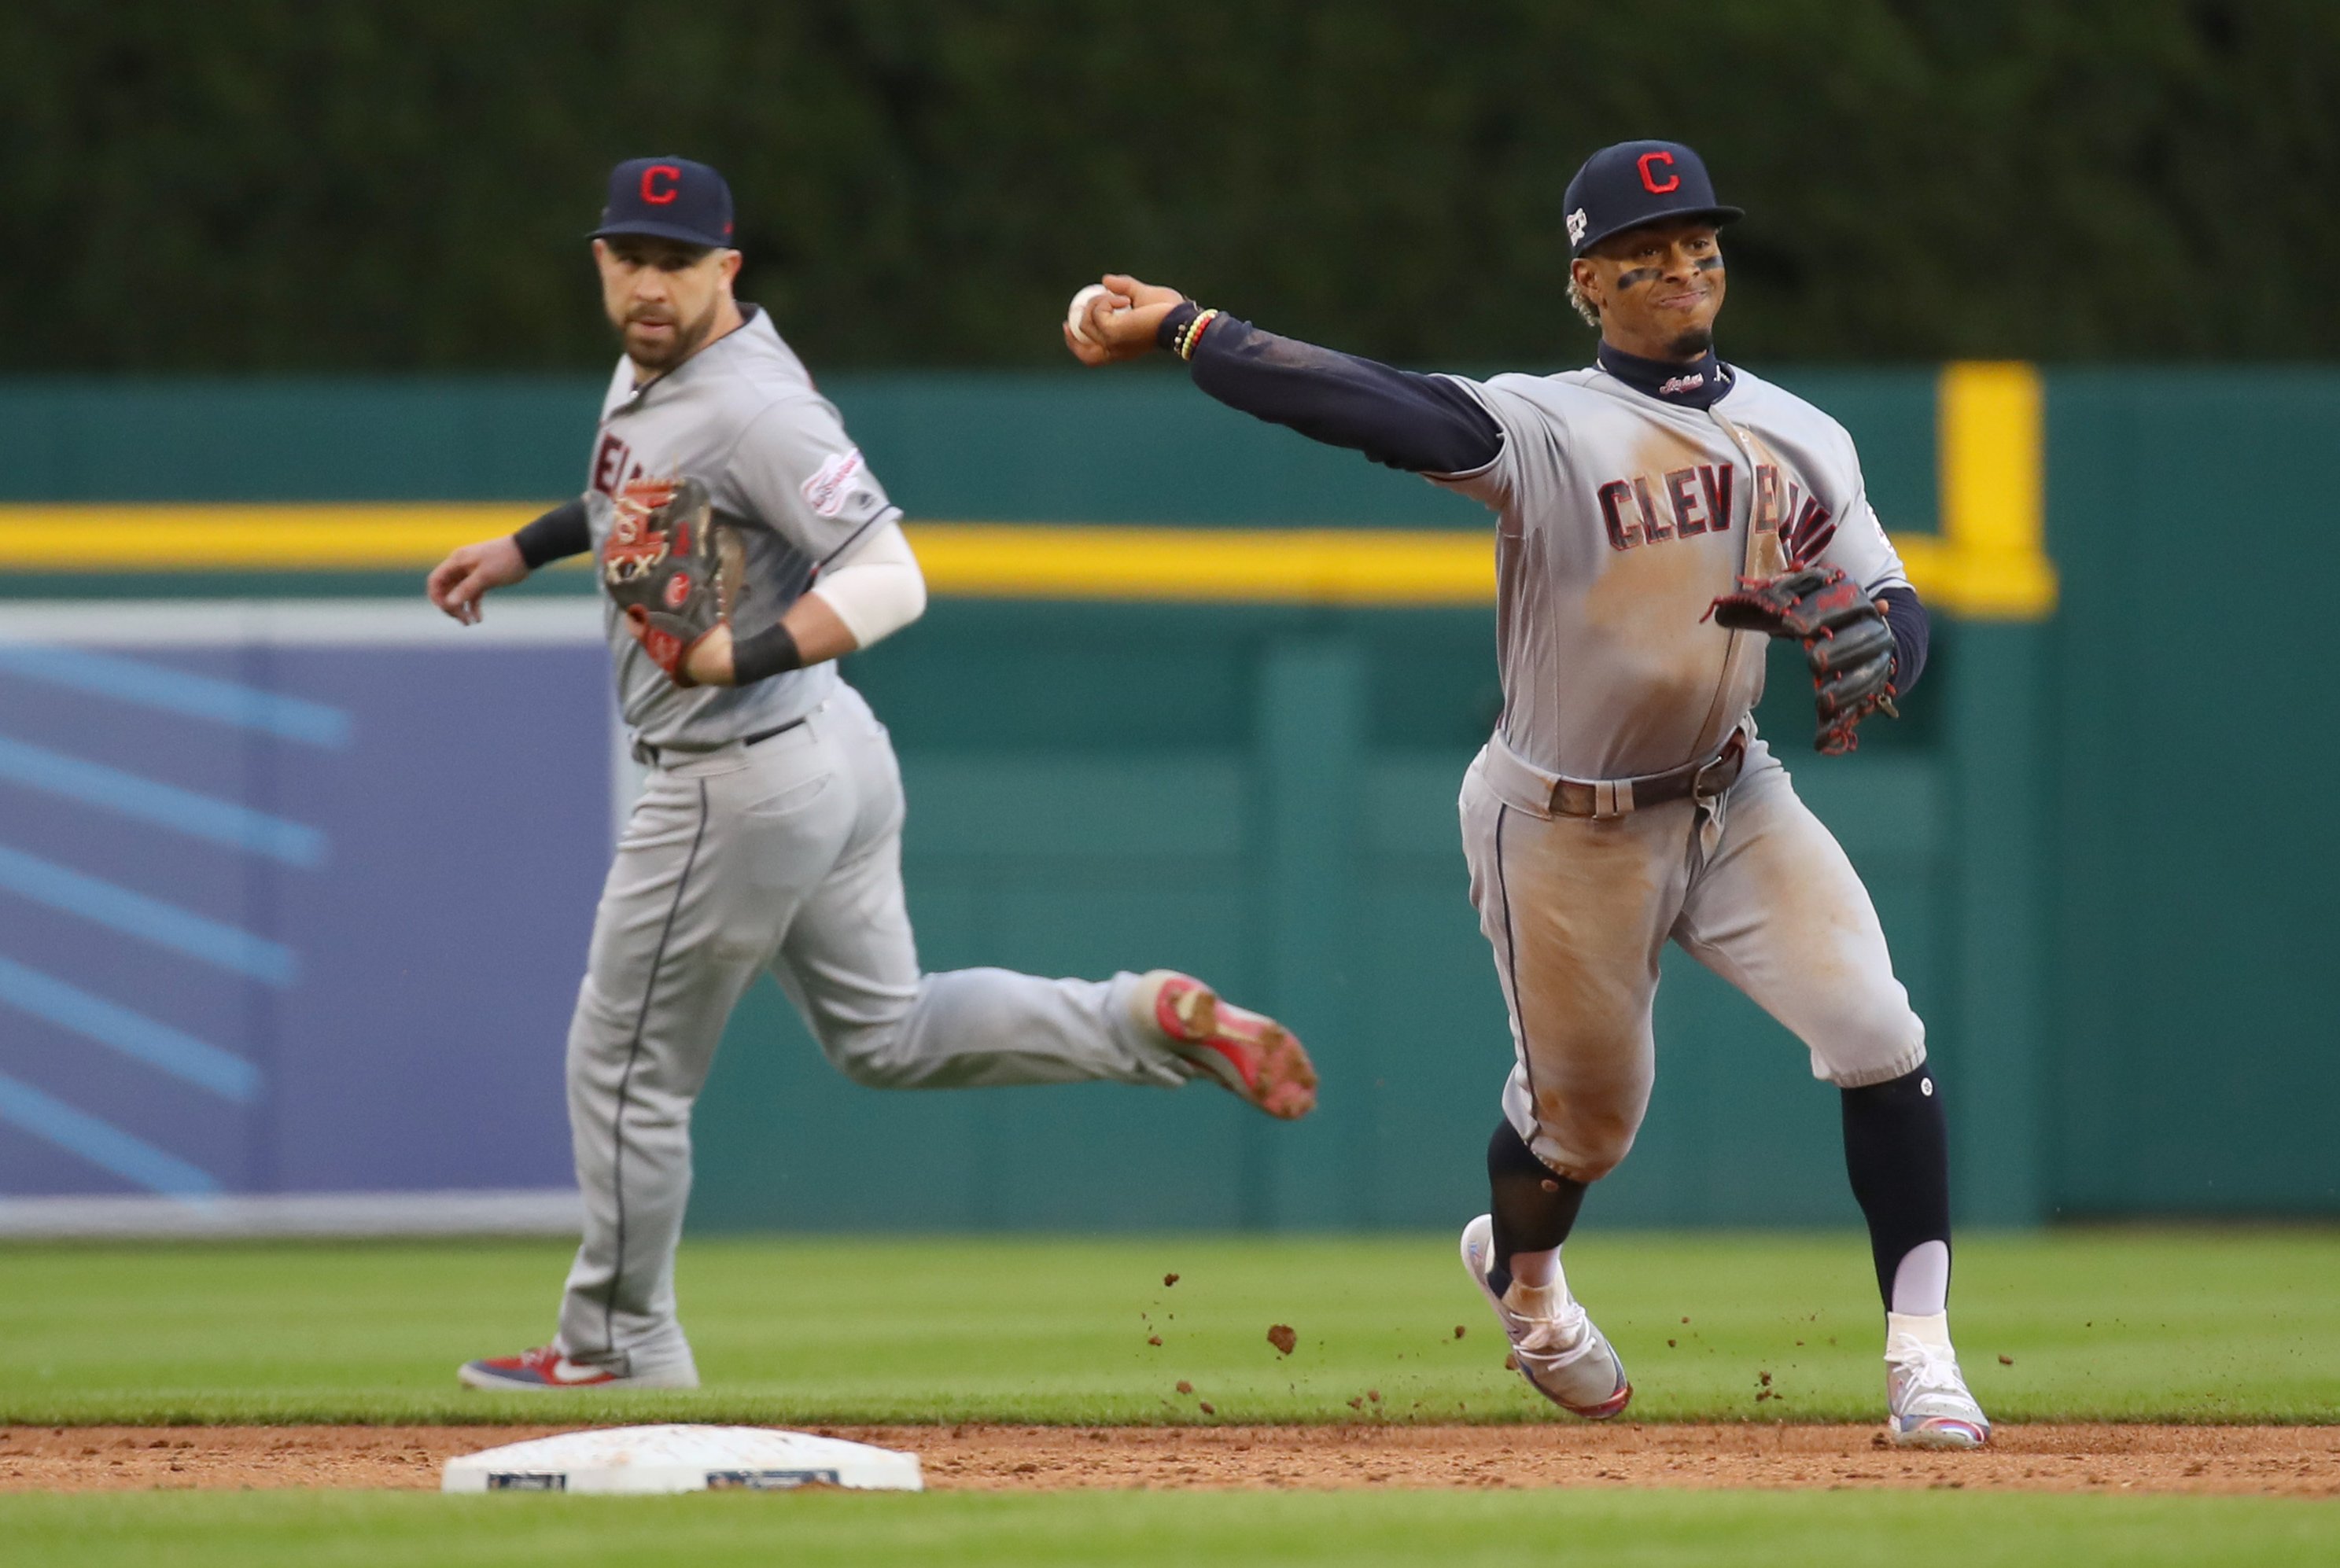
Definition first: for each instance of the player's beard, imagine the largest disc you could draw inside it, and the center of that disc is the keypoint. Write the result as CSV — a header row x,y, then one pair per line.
x,y
686,342
1691,344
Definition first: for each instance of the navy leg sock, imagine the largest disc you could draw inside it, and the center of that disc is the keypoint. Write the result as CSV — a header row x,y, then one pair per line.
x,y
1534,1207
1897,1149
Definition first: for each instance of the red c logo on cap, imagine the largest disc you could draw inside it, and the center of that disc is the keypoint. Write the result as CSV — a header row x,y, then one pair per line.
x,y
658,194
1649,181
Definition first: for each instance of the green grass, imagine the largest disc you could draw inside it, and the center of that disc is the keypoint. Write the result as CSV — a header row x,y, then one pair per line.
x,y
1130,1530
2116,1325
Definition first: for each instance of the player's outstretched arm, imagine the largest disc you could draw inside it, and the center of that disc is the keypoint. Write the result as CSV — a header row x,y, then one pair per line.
x,y
459,583
1424,424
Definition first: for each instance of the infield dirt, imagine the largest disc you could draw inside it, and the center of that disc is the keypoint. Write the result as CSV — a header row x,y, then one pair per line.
x,y
2300,1461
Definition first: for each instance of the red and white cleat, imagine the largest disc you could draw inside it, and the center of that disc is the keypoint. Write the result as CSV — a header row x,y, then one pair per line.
x,y
1253,1056
545,1367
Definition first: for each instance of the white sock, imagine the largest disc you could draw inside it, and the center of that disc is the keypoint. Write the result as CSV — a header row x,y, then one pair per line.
x,y
1921,1280
1932,1329
1536,1270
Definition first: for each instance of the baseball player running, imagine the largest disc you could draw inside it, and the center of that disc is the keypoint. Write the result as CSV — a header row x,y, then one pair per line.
x,y
744,546
1658,513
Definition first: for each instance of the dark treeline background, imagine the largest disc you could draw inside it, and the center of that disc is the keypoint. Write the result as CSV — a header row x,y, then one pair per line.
x,y
253,186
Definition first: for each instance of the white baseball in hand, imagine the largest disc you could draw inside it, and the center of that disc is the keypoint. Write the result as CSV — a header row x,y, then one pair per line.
x,y
1076,314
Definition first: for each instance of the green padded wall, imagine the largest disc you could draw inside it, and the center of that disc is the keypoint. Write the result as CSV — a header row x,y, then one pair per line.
x,y
2101,851
2196,1004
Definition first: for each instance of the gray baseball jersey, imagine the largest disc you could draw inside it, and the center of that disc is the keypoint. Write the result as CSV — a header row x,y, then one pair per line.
x,y
783,856
1621,518
742,417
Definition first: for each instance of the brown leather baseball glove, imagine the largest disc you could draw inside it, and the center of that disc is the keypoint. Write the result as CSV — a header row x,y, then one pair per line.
x,y
665,569
1846,640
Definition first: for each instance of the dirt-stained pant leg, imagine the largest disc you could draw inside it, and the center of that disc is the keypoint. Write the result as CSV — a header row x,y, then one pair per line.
x,y
1779,912
1577,912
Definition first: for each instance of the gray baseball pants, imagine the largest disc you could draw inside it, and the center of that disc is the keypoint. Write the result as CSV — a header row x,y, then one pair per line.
x,y
1578,910
784,856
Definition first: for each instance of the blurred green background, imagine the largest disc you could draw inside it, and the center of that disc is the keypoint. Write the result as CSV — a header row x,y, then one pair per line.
x,y
272,253
252,185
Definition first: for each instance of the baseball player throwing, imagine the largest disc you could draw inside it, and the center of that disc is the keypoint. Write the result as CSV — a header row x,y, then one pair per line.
x,y
1658,515
744,546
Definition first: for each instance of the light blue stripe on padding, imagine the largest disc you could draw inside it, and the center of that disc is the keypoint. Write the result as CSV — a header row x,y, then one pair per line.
x,y
133,1034
165,806
101,1143
179,692
148,919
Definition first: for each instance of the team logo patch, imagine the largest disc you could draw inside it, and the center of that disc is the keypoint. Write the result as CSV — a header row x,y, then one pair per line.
x,y
828,491
678,588
1577,224
1689,383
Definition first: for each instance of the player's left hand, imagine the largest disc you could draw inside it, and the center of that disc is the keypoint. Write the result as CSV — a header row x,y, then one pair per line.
x,y
1121,322
1846,642
708,663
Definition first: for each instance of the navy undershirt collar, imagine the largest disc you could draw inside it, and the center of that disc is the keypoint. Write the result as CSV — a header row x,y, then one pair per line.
x,y
1698,385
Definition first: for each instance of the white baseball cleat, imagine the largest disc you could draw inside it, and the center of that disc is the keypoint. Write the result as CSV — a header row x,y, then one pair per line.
x,y
1926,1398
1559,1351
546,1369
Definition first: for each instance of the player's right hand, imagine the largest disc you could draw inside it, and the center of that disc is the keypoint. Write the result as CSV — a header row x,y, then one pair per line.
x,y
460,582
1121,321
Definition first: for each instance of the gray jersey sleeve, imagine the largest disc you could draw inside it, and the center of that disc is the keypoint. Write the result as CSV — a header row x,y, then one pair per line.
x,y
1855,541
1861,549
795,470
1528,436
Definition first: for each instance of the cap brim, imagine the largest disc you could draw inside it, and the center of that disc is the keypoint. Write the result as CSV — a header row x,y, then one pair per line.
x,y
1720,215
657,230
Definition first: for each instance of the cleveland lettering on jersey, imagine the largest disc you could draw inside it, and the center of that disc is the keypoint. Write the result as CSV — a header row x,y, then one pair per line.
x,y
613,465
1697,500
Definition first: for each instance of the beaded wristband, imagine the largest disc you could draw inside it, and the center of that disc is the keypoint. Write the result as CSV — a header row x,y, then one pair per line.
x,y
1192,335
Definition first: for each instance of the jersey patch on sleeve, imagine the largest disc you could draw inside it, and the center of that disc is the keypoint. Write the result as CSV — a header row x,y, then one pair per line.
x,y
828,491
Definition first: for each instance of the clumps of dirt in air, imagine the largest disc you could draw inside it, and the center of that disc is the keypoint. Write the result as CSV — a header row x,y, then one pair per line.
x,y
1168,1280
1281,1337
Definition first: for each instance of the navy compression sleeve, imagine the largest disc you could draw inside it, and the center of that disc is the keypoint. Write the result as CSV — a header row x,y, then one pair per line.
x,y
1424,424
1906,616
559,534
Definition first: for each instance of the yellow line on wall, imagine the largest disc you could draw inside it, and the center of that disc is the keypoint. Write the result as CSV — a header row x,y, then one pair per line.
x,y
1387,567
209,538
1259,565
1989,562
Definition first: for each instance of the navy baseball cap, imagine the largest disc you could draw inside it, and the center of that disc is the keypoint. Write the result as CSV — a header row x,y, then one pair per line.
x,y
1636,183
672,198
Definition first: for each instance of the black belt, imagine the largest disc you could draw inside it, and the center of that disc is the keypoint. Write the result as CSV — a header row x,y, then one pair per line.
x,y
645,751
1572,797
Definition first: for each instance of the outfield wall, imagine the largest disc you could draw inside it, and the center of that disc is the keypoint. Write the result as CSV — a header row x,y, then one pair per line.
x,y
359,983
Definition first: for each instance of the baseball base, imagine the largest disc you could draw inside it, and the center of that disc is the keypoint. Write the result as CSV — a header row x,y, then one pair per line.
x,y
647,1459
